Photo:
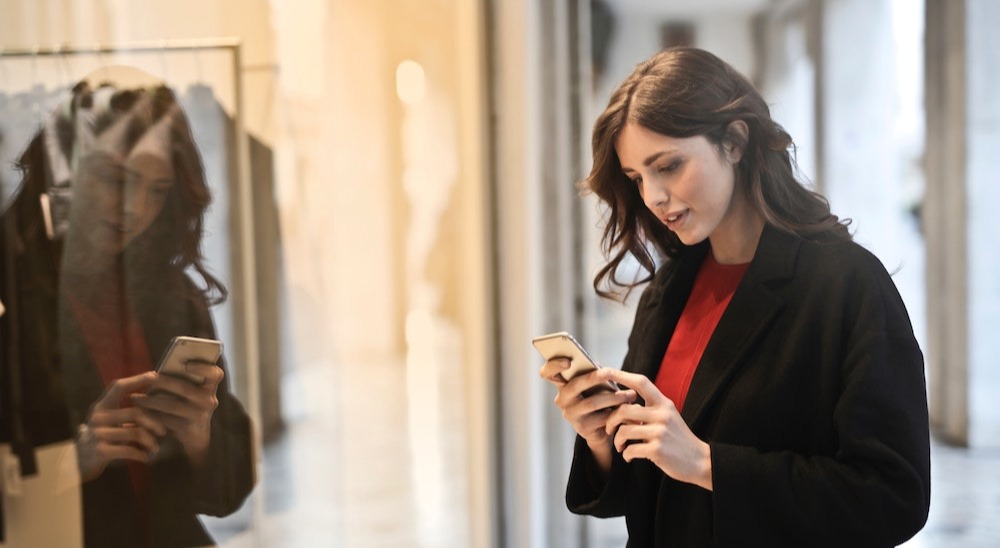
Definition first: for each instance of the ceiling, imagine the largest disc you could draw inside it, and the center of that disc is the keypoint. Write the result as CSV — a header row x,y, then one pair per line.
x,y
686,8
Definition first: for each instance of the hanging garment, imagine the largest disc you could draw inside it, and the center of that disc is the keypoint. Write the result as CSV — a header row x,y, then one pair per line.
x,y
50,497
21,115
214,130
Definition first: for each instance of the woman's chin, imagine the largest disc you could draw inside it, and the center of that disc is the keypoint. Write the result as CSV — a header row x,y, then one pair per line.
x,y
94,252
109,243
689,238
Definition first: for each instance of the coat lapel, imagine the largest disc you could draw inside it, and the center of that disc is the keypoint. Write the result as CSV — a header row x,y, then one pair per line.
x,y
747,317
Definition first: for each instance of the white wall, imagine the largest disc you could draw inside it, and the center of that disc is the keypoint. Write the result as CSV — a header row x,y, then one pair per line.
x,y
983,229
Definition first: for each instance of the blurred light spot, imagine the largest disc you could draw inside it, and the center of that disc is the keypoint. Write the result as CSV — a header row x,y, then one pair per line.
x,y
410,82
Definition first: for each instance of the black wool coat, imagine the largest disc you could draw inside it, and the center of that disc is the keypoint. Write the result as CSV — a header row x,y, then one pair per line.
x,y
811,395
48,383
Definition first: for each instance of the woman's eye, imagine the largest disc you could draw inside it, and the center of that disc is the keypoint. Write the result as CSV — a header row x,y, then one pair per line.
x,y
637,181
671,167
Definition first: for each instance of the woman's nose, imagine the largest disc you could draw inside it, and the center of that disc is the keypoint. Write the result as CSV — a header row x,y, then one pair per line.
x,y
655,196
135,201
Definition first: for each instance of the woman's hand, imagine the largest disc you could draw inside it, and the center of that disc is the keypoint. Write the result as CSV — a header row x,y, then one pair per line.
x,y
656,431
586,402
113,432
185,408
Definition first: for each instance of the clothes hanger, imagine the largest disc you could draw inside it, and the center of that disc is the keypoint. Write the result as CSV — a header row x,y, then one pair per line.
x,y
102,60
164,69
63,68
36,88
199,89
4,79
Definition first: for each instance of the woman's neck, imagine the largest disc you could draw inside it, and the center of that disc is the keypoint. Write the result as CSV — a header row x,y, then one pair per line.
x,y
735,240
80,259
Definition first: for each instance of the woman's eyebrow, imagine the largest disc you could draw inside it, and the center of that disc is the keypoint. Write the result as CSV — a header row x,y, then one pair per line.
x,y
652,158
165,181
656,155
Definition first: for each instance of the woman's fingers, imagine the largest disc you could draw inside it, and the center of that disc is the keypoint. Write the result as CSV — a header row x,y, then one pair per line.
x,y
640,383
634,414
586,385
178,404
211,372
109,452
572,404
127,416
113,396
167,407
552,370
589,415
592,424
134,436
201,395
632,434
101,445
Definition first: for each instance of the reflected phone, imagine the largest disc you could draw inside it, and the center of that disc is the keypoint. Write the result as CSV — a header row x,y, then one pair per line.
x,y
183,349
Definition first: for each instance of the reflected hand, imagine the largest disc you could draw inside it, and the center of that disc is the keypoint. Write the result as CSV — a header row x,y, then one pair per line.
x,y
657,432
113,432
586,403
185,408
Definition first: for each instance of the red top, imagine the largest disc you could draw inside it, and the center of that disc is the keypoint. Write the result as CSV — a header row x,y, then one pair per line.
x,y
713,288
117,344
110,329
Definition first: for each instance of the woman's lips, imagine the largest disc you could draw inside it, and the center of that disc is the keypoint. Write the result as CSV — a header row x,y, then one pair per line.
x,y
675,220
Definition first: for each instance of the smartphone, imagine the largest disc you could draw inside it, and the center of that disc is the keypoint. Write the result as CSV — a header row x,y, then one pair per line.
x,y
183,349
563,345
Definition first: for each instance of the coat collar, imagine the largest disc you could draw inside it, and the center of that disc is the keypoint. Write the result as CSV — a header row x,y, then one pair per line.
x,y
753,306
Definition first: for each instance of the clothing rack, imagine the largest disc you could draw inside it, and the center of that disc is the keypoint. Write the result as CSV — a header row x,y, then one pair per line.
x,y
247,321
160,46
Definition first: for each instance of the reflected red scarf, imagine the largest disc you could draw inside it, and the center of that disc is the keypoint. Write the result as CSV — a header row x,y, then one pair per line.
x,y
117,345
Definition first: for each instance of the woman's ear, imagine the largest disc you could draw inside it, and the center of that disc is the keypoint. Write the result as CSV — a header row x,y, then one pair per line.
x,y
734,143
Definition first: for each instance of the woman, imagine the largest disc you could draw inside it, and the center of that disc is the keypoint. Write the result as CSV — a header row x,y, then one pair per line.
x,y
773,393
97,304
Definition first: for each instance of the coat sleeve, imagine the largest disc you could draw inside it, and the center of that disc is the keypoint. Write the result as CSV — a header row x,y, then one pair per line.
x,y
587,492
874,490
229,475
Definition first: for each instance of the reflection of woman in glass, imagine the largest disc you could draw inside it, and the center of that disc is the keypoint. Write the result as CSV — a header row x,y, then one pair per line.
x,y
153,451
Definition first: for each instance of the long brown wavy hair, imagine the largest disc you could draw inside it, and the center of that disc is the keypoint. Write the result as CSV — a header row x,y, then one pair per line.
x,y
686,92
173,241
176,234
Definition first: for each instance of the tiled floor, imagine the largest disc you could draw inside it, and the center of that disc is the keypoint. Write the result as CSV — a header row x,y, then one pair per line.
x,y
965,500
372,457
342,475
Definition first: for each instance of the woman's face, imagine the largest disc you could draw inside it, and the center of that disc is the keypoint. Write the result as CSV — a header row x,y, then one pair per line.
x,y
118,197
686,183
